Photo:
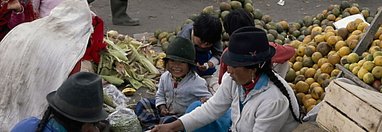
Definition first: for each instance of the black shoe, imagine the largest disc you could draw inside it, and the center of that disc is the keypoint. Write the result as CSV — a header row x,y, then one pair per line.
x,y
90,1
127,22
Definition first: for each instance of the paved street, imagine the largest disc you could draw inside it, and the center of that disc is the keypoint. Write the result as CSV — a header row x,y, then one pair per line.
x,y
167,14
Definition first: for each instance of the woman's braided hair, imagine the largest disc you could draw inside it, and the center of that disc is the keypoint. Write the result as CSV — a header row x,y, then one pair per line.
x,y
69,124
267,69
44,119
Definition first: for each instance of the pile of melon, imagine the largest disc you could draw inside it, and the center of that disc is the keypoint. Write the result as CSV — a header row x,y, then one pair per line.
x,y
368,66
313,66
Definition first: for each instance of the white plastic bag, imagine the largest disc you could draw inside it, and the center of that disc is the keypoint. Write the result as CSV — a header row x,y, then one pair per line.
x,y
116,95
124,120
36,58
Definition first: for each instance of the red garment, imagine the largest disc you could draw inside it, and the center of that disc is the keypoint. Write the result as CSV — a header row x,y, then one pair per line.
x,y
95,45
250,86
96,41
283,54
9,19
222,68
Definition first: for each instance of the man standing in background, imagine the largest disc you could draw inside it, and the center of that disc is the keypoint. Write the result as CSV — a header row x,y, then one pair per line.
x,y
119,15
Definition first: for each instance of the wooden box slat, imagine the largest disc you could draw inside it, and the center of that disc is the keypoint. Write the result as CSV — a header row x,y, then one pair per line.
x,y
357,103
366,39
361,107
333,121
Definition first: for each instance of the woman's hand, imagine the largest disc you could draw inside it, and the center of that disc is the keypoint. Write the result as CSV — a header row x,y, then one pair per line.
x,y
203,99
15,5
162,128
103,126
170,127
205,66
88,127
164,110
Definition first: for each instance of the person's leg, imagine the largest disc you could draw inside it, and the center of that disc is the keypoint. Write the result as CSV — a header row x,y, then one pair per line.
x,y
222,124
119,15
147,113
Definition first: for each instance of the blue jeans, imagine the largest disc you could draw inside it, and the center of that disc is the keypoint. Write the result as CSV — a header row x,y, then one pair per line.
x,y
222,124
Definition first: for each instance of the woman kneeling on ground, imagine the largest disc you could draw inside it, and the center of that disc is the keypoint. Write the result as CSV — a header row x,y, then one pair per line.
x,y
75,107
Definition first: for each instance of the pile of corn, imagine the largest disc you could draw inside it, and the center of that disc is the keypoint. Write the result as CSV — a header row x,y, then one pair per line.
x,y
128,63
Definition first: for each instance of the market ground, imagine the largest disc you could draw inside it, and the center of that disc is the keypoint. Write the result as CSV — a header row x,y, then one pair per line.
x,y
167,14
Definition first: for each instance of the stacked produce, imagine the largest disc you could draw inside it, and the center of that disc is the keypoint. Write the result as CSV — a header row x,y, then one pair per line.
x,y
313,66
129,63
368,66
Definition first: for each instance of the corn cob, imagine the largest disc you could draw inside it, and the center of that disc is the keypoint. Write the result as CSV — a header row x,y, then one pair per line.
x,y
146,63
108,100
113,80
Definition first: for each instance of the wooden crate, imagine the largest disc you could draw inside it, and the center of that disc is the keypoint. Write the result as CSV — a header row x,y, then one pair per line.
x,y
348,108
347,74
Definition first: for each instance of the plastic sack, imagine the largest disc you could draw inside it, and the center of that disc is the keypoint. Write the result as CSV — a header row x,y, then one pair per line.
x,y
124,120
118,98
37,57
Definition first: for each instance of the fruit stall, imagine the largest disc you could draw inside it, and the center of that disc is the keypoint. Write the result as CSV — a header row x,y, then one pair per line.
x,y
347,107
323,53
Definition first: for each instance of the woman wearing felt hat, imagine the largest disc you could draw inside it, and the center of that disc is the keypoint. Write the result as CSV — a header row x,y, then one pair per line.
x,y
259,98
75,107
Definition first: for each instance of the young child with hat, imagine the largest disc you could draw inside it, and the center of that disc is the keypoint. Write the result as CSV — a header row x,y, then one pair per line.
x,y
178,87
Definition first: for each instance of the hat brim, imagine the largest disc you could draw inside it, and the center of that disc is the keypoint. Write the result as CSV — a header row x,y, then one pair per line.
x,y
52,97
227,59
176,58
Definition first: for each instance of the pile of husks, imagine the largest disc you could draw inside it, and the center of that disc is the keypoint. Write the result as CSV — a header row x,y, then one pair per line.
x,y
129,63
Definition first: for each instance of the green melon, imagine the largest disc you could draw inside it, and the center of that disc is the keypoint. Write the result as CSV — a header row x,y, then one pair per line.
x,y
257,14
308,20
235,4
224,6
249,7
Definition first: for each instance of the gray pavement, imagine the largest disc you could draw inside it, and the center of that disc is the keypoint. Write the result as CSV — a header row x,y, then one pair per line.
x,y
167,14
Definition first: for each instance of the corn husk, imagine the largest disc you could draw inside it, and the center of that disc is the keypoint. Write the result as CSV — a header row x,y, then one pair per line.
x,y
129,62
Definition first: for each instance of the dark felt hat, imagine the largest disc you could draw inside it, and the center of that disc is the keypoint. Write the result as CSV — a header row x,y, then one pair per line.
x,y
79,98
248,46
181,49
